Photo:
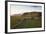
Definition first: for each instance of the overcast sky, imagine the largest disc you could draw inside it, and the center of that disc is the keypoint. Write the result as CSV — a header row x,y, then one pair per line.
x,y
20,9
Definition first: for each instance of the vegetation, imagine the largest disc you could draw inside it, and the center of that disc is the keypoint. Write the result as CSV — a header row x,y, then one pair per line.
x,y
27,20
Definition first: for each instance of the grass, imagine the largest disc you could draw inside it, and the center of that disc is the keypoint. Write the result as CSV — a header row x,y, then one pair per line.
x,y
16,22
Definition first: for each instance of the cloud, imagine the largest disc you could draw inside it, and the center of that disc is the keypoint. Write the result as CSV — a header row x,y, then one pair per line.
x,y
20,9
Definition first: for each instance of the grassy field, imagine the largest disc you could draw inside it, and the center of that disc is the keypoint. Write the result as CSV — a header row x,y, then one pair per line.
x,y
19,22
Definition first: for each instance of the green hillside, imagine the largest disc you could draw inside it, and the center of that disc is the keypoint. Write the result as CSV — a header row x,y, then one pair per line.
x,y
27,20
